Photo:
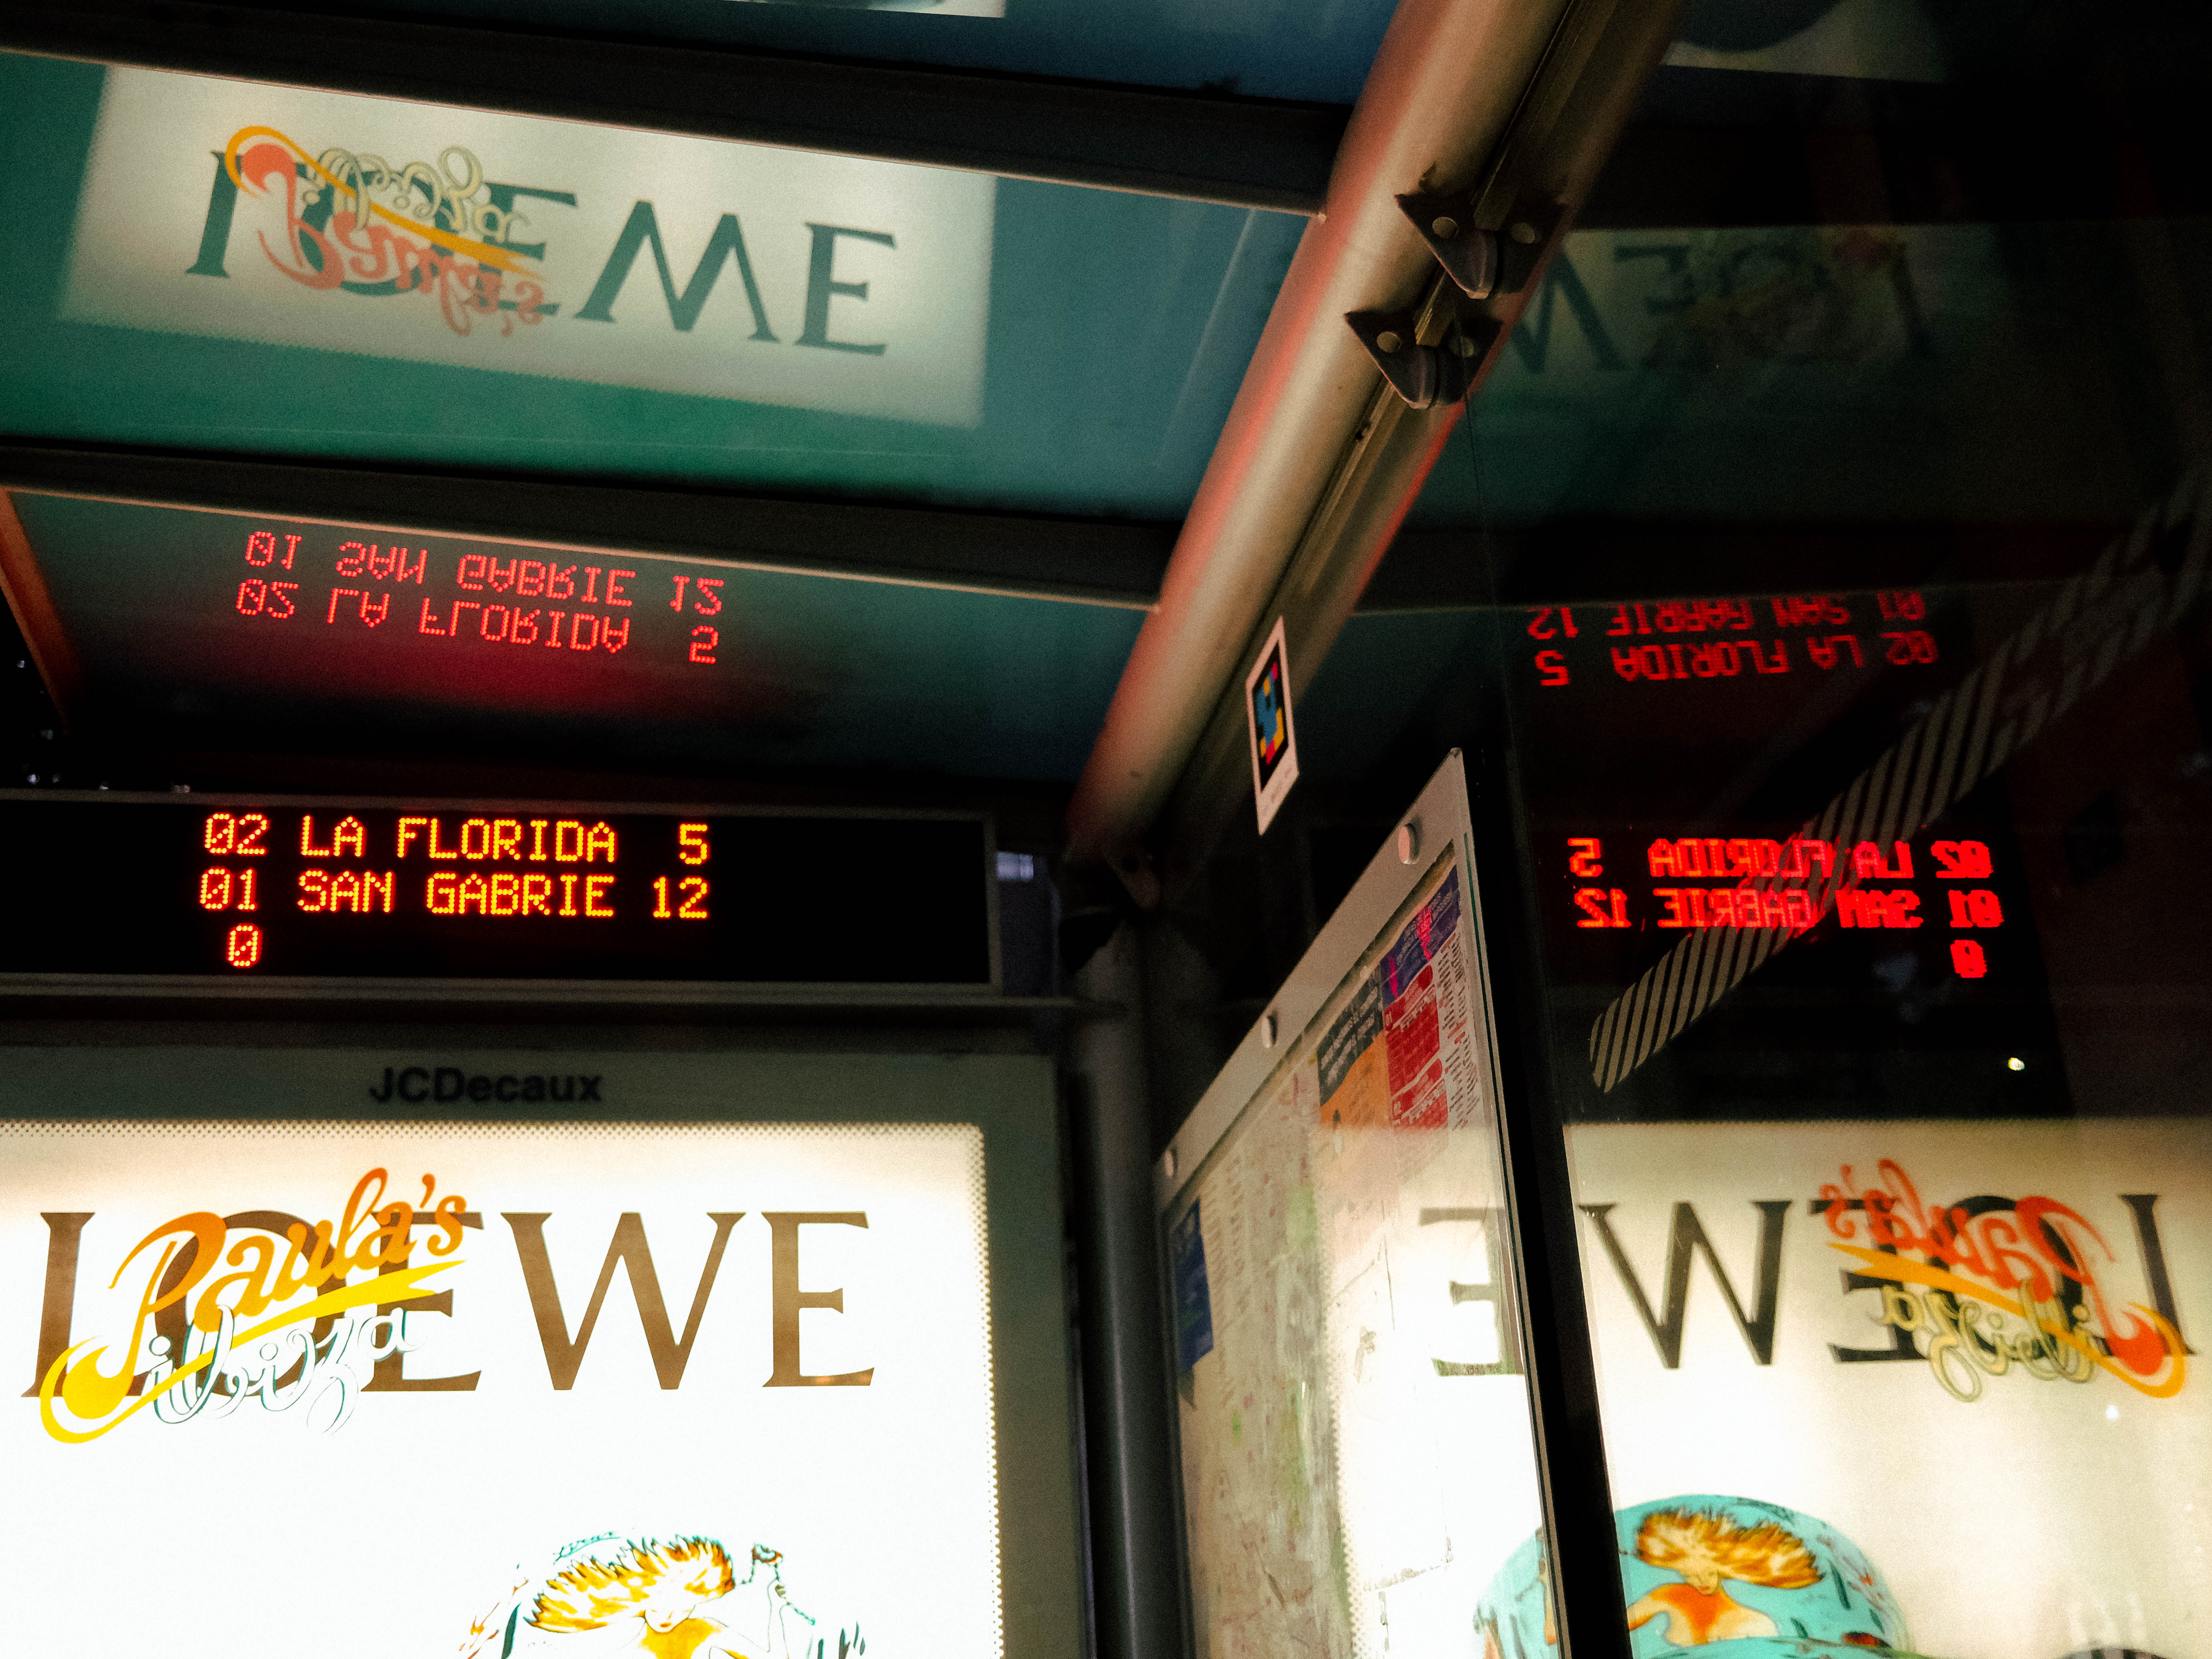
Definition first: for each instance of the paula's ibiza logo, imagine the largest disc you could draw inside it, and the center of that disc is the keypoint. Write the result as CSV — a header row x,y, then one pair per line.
x,y
339,222
315,1354
2025,1283
358,225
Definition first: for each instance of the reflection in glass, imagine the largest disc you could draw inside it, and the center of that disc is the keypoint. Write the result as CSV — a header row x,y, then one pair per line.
x,y
213,264
496,241
195,629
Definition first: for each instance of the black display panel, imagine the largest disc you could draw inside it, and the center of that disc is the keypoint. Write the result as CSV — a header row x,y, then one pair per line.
x,y
239,889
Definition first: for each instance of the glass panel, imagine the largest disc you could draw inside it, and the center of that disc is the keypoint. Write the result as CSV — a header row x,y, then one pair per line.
x,y
1357,1454
1257,48
1826,371
191,630
210,264
1847,685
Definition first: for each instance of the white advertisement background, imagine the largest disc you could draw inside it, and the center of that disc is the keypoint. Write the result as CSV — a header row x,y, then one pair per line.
x,y
252,1536
2042,1518
145,204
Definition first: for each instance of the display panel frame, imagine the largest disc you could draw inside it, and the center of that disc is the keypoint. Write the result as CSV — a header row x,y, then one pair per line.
x,y
1437,819
402,986
1433,846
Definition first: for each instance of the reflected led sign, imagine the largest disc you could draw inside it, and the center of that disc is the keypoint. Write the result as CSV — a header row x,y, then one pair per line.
x,y
159,627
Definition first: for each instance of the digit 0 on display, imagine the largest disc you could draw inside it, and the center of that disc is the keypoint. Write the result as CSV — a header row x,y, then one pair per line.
x,y
523,894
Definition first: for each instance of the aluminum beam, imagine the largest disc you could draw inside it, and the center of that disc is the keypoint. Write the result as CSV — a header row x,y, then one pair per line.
x,y
1515,103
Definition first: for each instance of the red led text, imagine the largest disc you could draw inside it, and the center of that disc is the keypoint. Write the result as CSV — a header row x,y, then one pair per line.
x,y
348,838
271,600
706,595
1736,907
1721,661
517,893
261,549
1961,861
362,892
1712,855
532,840
1870,907
500,624
228,835
380,563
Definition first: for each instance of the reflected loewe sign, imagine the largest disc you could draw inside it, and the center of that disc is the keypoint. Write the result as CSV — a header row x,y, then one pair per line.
x,y
460,237
493,1389
1848,1320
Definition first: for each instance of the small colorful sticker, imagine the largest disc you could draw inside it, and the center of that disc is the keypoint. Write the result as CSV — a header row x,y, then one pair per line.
x,y
1267,717
1194,1305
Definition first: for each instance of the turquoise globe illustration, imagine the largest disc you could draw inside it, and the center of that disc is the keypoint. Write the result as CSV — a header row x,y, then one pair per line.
x,y
1707,1570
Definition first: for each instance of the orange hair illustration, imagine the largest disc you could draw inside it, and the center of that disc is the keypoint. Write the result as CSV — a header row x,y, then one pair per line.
x,y
592,1592
1764,1554
1706,1548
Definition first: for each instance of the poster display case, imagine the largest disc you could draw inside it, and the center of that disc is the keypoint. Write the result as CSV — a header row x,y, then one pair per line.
x,y
681,1354
1855,966
1358,1460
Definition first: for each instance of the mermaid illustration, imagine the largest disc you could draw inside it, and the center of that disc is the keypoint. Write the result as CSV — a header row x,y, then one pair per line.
x,y
1706,1548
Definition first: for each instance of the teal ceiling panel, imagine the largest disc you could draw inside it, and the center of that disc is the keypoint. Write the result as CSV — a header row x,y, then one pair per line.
x,y
1260,48
174,629
225,265
1832,373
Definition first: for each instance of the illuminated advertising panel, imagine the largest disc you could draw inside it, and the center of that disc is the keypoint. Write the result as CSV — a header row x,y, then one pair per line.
x,y
742,1386
483,241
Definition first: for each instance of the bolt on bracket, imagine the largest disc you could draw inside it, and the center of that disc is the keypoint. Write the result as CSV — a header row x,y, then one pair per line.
x,y
1424,376
1468,254
1528,230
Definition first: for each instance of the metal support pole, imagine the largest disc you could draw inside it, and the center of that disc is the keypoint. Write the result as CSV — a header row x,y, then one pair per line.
x,y
1135,1579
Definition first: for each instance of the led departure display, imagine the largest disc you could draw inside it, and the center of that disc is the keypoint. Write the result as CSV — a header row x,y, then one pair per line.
x,y
1772,836
240,889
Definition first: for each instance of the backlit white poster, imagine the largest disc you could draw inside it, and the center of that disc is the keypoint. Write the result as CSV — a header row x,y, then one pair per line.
x,y
490,1389
418,232
1925,1385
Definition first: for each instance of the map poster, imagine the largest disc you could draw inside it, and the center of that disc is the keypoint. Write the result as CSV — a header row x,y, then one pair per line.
x,y
1356,1450
484,1389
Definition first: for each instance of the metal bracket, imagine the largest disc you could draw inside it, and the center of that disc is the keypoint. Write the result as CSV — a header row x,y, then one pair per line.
x,y
1468,255
1528,233
1424,376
